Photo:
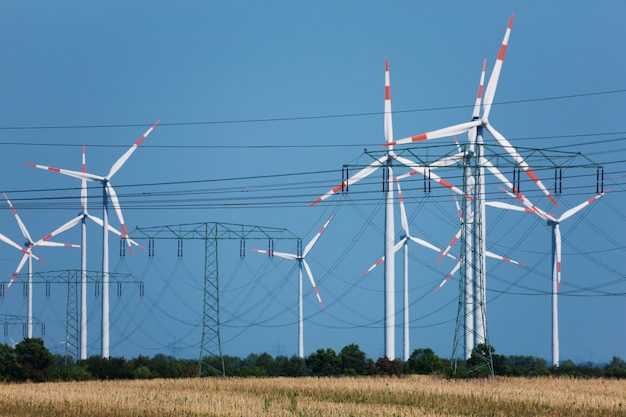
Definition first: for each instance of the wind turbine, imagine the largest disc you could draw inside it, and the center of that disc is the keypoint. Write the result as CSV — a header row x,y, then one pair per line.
x,y
108,192
82,219
385,162
300,256
404,243
29,245
555,224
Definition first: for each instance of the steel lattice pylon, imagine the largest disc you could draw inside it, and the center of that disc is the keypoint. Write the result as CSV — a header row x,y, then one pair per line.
x,y
211,233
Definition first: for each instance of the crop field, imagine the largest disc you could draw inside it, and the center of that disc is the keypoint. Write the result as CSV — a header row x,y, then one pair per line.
x,y
407,396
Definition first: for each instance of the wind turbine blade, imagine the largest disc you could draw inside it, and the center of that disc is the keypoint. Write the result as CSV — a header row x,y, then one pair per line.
x,y
388,116
317,236
439,133
19,221
502,258
59,230
378,262
431,246
395,249
403,219
354,179
574,210
12,243
118,210
83,184
557,241
120,162
421,170
520,161
516,193
75,174
471,134
450,160
492,85
456,268
310,275
507,206
100,223
450,245
17,271
283,255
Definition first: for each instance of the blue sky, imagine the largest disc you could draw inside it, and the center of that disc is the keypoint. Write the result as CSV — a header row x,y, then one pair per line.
x,y
260,105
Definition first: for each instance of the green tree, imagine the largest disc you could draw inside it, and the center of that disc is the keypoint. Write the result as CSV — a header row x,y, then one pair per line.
x,y
616,368
324,363
386,366
33,360
425,362
353,360
8,362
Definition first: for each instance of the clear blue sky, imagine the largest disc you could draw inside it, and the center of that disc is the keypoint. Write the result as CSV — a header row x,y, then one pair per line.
x,y
100,74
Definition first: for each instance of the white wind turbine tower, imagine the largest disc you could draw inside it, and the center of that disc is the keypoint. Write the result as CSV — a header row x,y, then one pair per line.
x,y
108,192
29,245
302,263
475,187
404,243
385,162
555,224
82,219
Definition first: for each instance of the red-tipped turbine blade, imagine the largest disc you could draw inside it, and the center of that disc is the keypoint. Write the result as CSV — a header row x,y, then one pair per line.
x,y
19,221
456,268
310,275
574,210
309,246
421,170
75,174
388,117
503,258
380,162
120,162
17,271
439,133
520,161
492,85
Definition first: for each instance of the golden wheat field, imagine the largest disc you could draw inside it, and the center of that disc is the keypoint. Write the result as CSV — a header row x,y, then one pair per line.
x,y
407,396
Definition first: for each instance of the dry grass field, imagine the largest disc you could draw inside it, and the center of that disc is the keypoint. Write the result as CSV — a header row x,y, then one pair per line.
x,y
407,396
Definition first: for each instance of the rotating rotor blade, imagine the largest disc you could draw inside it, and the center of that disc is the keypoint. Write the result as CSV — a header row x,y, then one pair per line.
x,y
456,268
83,184
431,246
317,236
417,169
75,174
19,221
118,210
403,219
502,258
439,133
44,241
12,243
516,193
450,160
17,271
458,234
388,118
310,275
520,161
283,255
122,160
492,85
507,206
471,134
380,162
574,210
557,241
100,223
396,248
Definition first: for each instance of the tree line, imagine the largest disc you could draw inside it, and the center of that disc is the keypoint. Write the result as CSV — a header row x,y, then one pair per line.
x,y
30,360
